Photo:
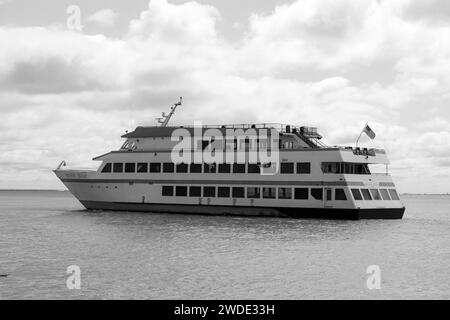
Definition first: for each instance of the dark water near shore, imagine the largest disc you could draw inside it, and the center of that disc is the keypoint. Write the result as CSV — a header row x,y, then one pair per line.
x,y
161,256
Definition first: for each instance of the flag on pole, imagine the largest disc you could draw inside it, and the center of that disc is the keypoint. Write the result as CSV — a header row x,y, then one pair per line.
x,y
367,130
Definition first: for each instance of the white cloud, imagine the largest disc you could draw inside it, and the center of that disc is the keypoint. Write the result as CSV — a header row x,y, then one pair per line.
x,y
74,94
105,16
190,23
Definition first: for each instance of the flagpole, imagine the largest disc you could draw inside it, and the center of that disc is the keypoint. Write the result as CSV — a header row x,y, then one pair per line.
x,y
357,141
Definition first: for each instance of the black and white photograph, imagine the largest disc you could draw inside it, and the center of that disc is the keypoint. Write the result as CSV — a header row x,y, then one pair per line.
x,y
238,153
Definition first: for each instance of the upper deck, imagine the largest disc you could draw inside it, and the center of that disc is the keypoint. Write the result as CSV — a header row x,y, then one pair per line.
x,y
246,137
155,131
288,136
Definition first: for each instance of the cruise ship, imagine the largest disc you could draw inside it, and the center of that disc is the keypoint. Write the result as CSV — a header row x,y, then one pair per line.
x,y
304,178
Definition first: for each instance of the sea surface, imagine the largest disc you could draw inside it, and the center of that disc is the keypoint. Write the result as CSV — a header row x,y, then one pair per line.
x,y
123,255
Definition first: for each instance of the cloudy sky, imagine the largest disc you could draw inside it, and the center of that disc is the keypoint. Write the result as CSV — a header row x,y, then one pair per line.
x,y
334,64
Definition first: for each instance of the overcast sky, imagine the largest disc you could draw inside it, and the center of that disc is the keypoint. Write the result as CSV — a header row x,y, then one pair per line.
x,y
334,64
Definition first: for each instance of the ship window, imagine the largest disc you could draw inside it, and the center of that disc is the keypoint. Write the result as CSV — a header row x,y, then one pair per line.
x,y
358,169
375,194
269,193
330,167
195,191
253,168
107,167
142,167
301,193
167,191
209,191
224,168
223,192
238,167
209,168
349,168
317,193
181,191
118,167
287,167
168,167
155,167
196,167
238,192
303,167
357,194
366,194
284,193
130,167
253,192
182,168
394,194
385,194
362,168
339,194
130,145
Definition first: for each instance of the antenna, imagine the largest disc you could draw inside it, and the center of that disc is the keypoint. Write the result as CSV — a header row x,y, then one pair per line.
x,y
164,119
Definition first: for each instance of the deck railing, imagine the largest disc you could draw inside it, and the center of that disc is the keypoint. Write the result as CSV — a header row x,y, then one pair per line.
x,y
278,126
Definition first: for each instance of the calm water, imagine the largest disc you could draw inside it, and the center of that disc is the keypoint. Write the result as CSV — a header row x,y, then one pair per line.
x,y
157,256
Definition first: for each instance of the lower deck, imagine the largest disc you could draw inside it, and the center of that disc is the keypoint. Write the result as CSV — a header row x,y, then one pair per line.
x,y
300,194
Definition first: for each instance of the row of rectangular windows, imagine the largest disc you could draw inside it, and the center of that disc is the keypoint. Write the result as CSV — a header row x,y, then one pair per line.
x,y
168,167
285,168
375,194
252,192
283,193
345,168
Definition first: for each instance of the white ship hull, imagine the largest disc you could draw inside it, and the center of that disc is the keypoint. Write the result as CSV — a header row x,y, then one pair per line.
x,y
143,191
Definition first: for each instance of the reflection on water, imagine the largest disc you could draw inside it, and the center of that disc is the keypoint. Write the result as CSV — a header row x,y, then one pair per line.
x,y
166,256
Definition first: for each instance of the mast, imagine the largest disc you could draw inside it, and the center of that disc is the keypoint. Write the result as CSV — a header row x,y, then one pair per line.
x,y
164,119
